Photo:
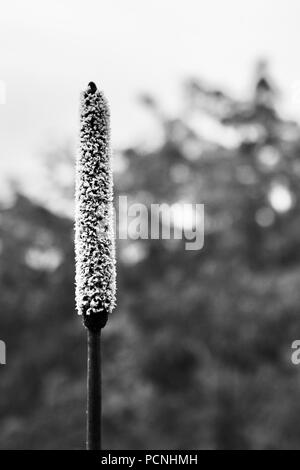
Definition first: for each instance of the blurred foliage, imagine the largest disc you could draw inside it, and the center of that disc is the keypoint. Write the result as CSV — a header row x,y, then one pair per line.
x,y
197,354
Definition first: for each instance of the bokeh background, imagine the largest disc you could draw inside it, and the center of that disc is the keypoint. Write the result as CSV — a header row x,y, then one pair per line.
x,y
205,102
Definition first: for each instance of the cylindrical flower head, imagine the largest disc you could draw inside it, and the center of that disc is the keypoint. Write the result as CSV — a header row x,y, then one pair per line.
x,y
94,230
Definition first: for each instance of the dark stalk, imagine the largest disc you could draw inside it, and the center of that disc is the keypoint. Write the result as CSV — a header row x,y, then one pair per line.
x,y
94,409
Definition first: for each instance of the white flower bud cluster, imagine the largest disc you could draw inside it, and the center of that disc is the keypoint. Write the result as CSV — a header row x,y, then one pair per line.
x,y
94,231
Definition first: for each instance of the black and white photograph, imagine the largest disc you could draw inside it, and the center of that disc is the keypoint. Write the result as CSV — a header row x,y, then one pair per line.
x,y
149,228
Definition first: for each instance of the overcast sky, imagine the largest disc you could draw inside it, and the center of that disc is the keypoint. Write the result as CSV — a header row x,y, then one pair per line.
x,y
50,50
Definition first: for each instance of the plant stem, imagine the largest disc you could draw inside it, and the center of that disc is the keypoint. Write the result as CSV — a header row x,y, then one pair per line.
x,y
94,410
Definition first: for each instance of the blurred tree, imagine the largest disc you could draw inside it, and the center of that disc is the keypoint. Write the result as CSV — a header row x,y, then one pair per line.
x,y
214,322
197,354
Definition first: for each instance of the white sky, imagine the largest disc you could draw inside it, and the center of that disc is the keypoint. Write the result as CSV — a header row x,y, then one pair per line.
x,y
50,50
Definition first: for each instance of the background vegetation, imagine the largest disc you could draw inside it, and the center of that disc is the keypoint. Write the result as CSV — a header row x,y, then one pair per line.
x,y
197,354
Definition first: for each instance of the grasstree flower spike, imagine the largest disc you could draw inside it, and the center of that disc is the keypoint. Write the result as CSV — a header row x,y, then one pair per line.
x,y
94,231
